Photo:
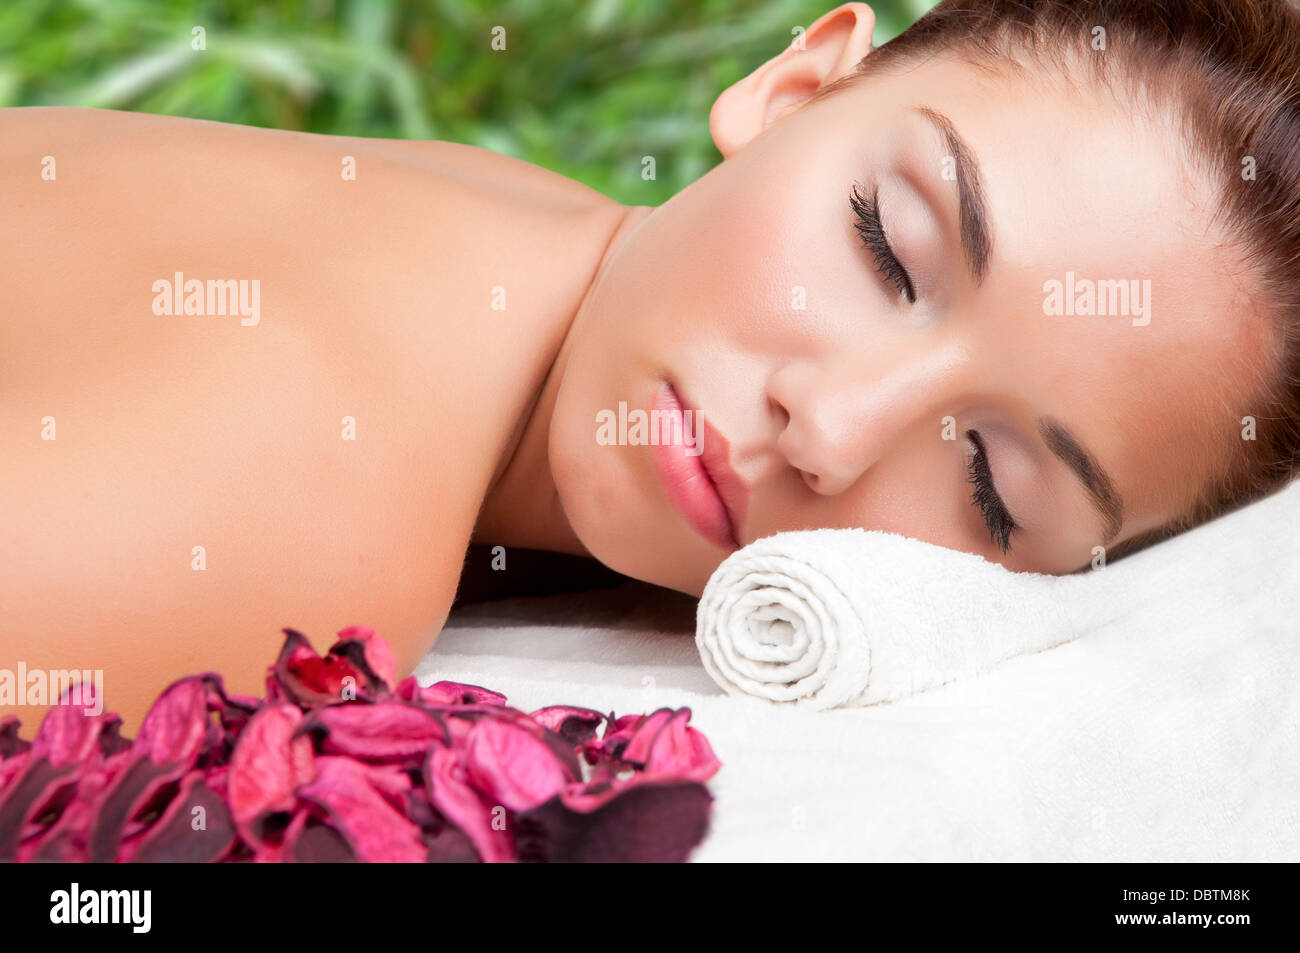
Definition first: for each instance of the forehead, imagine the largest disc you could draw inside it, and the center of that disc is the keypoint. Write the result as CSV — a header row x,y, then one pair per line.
x,y
1083,188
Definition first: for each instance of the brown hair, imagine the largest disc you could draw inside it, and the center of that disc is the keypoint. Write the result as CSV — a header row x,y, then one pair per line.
x,y
1230,71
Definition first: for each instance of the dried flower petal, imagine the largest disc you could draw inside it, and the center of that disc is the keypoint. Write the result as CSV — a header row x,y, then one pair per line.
x,y
368,652
375,831
512,766
268,765
195,828
338,764
459,801
576,726
654,821
448,693
302,677
385,731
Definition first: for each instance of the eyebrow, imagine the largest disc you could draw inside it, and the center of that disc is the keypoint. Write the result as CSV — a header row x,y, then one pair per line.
x,y
975,239
1066,448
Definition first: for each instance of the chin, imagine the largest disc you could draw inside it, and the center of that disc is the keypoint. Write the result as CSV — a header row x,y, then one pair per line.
x,y
628,535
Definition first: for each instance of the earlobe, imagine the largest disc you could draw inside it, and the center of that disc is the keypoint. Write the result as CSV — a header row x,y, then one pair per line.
x,y
829,49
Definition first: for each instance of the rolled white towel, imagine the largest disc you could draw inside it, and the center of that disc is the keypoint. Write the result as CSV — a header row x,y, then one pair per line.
x,y
840,617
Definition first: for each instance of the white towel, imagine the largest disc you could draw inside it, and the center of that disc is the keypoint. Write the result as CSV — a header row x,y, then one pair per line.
x,y
839,617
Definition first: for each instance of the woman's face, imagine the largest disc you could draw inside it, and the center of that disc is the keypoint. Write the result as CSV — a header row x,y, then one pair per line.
x,y
840,402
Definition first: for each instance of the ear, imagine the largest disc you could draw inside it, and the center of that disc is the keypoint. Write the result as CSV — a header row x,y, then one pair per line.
x,y
827,50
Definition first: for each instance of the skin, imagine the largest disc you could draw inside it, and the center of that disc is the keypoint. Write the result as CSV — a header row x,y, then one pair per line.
x,y
475,424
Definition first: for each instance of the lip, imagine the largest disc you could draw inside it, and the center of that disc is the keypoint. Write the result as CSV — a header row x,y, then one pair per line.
x,y
702,487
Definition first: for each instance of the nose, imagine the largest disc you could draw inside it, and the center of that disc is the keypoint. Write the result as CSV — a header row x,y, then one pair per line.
x,y
843,412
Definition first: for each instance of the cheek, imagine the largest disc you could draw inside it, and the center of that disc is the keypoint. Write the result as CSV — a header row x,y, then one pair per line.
x,y
751,257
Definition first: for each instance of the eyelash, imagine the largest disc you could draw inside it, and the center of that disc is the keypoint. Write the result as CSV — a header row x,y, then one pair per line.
x,y
868,225
985,496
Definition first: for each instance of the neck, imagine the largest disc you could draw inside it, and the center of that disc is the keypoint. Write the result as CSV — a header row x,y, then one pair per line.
x,y
522,507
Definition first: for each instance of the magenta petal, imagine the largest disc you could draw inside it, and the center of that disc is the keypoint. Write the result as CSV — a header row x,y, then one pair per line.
x,y
384,731
448,693
680,751
304,678
68,735
576,726
637,749
177,725
375,653
457,800
41,780
376,832
511,766
447,843
267,765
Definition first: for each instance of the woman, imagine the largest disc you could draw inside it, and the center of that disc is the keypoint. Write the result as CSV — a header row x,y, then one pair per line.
x,y
1037,304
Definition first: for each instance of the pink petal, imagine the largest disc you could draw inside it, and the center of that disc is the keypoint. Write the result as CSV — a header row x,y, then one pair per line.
x,y
177,725
457,800
384,731
268,764
511,766
576,726
376,832
448,693
375,654
680,751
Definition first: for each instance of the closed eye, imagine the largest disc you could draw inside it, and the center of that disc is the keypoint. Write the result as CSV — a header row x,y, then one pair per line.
x,y
985,496
866,210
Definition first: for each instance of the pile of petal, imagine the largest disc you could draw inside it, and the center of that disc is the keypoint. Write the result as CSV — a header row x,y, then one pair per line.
x,y
335,765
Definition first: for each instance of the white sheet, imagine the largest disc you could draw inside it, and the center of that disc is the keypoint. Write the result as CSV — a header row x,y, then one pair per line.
x,y
1173,743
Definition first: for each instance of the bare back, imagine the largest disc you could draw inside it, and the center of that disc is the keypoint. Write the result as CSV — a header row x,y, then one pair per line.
x,y
179,486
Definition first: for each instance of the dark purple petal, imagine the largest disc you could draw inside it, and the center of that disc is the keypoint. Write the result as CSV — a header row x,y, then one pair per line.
x,y
654,821
314,842
174,839
38,788
139,787
10,743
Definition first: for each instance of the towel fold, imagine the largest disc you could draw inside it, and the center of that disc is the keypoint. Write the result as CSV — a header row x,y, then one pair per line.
x,y
843,617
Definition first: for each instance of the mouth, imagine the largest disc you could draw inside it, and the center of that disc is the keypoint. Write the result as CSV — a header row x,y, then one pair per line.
x,y
698,478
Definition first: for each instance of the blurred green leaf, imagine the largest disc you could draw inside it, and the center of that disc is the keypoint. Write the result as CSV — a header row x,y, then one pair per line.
x,y
584,87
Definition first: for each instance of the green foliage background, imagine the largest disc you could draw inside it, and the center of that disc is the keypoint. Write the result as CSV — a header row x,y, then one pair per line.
x,y
584,87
